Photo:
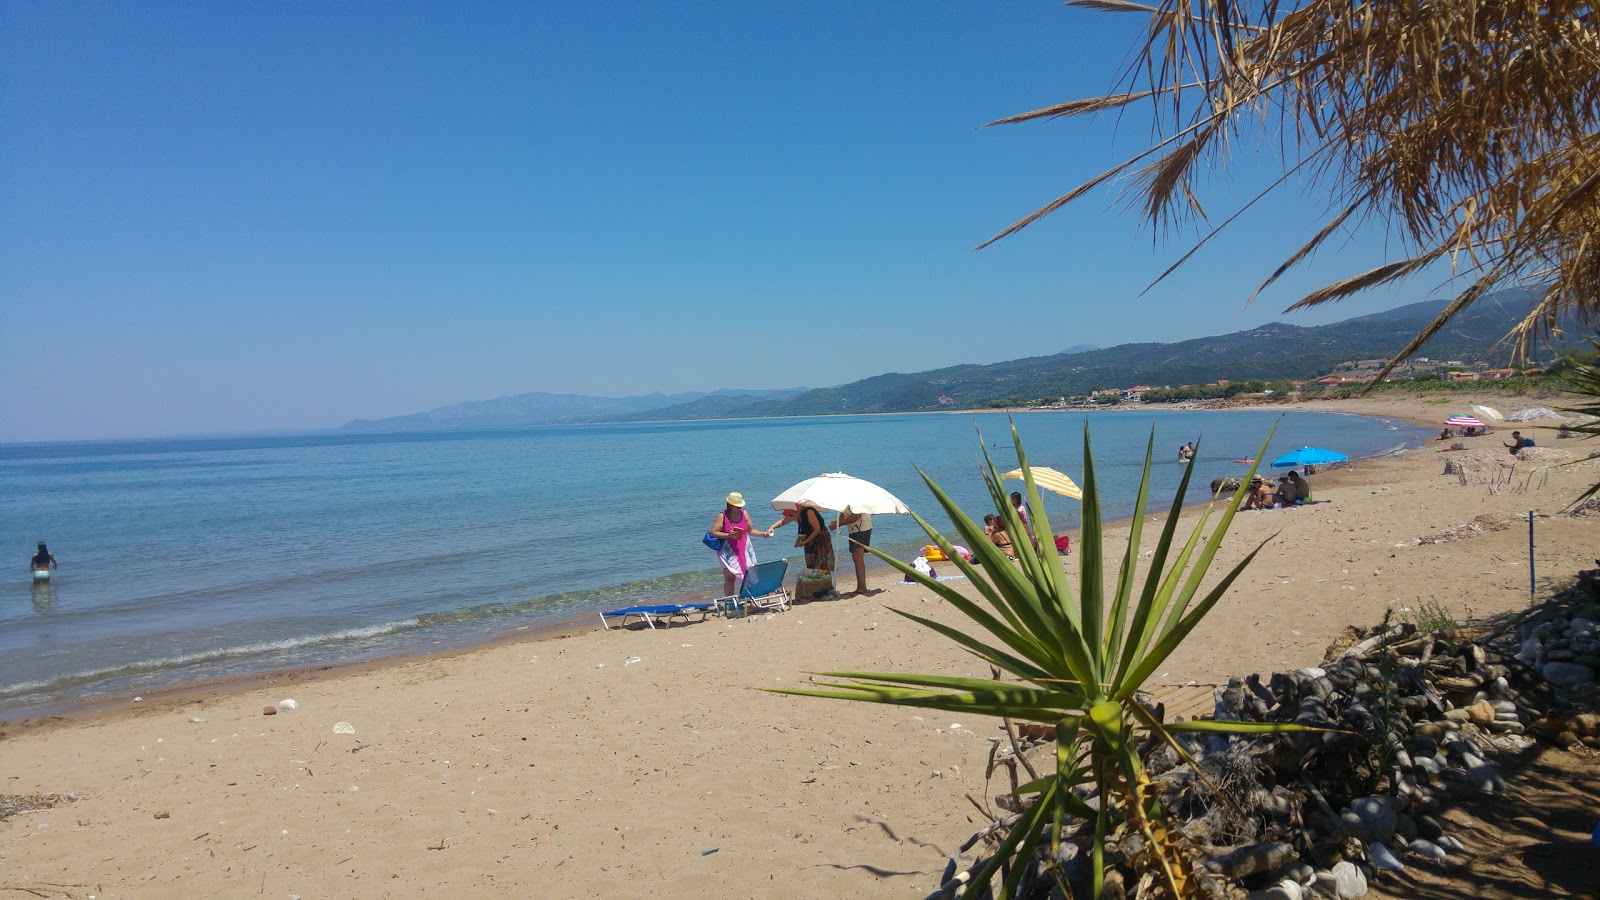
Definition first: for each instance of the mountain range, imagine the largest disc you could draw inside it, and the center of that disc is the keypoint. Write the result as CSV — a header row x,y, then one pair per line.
x,y
1269,352
539,408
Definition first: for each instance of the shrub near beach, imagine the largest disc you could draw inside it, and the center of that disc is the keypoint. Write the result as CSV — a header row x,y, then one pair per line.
x,y
1077,663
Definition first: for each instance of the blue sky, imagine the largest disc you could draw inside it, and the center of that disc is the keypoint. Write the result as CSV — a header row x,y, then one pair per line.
x,y
250,216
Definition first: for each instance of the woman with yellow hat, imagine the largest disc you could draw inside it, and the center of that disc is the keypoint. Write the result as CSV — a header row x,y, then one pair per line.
x,y
732,525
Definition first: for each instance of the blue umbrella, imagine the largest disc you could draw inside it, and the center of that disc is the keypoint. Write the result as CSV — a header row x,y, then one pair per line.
x,y
1308,456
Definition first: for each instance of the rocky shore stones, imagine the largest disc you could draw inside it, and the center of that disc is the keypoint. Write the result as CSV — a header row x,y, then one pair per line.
x,y
1345,881
1569,676
1369,819
1384,858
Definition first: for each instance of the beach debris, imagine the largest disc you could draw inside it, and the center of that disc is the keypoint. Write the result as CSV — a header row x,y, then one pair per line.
x,y
197,720
163,814
702,852
288,705
631,660
269,710
343,728
599,665
138,699
1416,723
11,804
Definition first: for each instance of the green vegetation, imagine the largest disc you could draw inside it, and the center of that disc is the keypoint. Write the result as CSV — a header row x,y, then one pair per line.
x,y
1076,663
1473,147
1582,380
1432,618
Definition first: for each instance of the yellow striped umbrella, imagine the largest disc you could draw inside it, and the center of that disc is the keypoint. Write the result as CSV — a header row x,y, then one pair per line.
x,y
1050,480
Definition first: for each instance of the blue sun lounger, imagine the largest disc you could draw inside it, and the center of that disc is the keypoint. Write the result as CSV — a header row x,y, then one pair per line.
x,y
761,588
652,614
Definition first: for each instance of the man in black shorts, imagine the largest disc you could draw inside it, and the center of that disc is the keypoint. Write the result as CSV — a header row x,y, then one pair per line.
x,y
860,525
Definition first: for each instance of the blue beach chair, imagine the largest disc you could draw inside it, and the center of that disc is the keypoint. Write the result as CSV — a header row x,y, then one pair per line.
x,y
761,588
652,614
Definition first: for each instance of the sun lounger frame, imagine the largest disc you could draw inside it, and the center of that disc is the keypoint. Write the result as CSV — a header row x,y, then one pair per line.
x,y
652,614
777,598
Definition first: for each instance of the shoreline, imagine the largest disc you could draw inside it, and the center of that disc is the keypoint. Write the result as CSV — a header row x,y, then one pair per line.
x,y
876,572
178,693
599,761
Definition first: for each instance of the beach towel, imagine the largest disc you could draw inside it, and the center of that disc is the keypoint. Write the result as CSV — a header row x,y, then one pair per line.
x,y
737,554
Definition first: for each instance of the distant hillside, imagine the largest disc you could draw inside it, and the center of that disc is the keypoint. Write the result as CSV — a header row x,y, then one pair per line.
x,y
719,405
1271,351
534,408
538,408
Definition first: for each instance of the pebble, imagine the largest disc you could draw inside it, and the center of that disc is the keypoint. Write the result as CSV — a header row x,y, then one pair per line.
x,y
1567,675
1283,890
196,720
1450,843
1481,712
288,704
1384,858
1427,850
1369,819
269,710
343,728
1428,731
1348,881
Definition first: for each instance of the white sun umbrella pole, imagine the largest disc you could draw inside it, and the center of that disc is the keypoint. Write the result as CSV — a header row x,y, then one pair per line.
x,y
838,492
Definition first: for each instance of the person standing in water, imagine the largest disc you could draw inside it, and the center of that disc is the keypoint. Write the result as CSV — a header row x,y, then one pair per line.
x,y
43,561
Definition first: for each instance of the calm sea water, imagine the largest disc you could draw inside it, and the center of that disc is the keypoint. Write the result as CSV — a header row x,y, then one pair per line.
x,y
189,560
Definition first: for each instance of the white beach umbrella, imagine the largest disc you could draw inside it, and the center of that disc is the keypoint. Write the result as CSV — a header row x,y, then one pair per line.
x,y
1532,413
1488,412
838,492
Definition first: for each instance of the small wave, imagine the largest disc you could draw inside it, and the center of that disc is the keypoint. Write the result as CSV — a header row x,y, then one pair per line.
x,y
1390,451
252,649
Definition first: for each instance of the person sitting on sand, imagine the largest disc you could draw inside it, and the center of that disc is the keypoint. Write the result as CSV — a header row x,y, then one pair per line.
x,y
996,530
1517,443
1286,492
1257,495
1444,435
1302,487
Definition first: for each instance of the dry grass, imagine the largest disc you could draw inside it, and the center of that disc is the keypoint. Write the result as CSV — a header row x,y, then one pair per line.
x,y
1466,127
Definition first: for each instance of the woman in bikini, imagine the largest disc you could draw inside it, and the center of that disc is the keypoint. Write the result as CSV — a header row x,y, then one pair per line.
x,y
996,530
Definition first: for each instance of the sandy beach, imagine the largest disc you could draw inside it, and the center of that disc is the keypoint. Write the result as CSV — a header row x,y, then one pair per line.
x,y
649,763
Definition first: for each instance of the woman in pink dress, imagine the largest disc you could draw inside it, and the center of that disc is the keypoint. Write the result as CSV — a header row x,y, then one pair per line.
x,y
737,555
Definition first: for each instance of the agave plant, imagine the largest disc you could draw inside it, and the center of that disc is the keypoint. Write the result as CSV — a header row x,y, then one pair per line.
x,y
1077,663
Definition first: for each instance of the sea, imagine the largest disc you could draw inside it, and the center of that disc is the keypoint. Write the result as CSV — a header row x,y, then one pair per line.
x,y
189,561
